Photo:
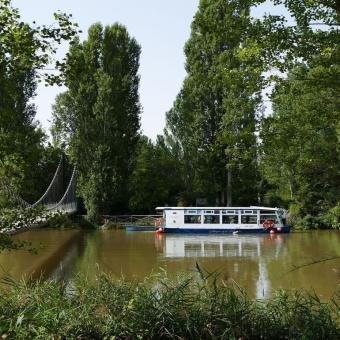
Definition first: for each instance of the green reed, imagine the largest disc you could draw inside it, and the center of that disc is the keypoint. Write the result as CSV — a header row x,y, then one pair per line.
x,y
160,308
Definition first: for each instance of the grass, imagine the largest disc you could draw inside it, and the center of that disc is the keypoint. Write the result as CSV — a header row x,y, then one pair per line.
x,y
159,308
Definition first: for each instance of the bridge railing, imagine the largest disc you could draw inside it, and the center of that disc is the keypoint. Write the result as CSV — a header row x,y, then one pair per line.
x,y
123,220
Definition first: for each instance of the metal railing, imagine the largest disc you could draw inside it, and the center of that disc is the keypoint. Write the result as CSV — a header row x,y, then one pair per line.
x,y
123,220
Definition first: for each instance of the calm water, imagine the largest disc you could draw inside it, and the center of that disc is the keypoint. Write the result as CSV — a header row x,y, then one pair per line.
x,y
257,263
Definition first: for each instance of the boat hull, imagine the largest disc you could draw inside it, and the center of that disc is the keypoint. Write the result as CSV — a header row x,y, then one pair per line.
x,y
284,230
140,228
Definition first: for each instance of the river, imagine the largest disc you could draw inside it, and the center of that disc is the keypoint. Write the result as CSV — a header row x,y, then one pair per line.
x,y
259,263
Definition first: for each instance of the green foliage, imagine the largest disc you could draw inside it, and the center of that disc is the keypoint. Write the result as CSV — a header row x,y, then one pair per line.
x,y
334,216
25,50
59,220
15,219
8,243
214,117
300,144
160,309
314,29
98,117
156,179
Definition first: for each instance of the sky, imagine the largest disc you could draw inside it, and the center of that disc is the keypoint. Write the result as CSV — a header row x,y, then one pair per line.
x,y
161,27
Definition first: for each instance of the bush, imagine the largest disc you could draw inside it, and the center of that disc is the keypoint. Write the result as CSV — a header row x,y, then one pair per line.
x,y
58,220
160,309
333,216
327,220
15,219
308,222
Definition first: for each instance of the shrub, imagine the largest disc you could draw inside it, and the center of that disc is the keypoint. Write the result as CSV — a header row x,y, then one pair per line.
x,y
333,216
158,308
18,218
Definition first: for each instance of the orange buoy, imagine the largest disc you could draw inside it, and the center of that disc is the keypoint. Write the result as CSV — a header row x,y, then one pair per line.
x,y
279,229
272,231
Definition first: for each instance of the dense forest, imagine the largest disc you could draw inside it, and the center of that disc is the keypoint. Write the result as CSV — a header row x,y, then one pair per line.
x,y
220,146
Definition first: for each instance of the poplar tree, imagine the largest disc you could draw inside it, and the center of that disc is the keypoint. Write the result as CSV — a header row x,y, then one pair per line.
x,y
97,118
214,117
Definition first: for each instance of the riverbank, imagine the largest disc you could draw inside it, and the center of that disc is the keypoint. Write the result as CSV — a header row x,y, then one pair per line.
x,y
160,308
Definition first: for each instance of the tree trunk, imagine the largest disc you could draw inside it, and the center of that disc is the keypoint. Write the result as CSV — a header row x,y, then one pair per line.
x,y
291,190
222,198
229,194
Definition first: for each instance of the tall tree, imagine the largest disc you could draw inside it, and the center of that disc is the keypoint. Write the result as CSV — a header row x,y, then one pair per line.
x,y
98,116
301,140
25,50
300,143
214,116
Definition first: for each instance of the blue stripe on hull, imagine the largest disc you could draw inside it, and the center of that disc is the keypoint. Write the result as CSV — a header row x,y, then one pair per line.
x,y
284,230
140,228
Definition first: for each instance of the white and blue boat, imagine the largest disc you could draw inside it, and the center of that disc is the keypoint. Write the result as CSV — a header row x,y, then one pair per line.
x,y
222,220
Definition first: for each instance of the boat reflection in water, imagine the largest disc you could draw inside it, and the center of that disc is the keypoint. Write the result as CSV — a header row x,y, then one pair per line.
x,y
221,245
234,249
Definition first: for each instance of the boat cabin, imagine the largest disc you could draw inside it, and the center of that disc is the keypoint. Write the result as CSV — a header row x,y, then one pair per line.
x,y
234,218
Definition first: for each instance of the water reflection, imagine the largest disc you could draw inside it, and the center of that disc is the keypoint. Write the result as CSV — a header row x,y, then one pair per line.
x,y
229,246
221,245
258,263
57,254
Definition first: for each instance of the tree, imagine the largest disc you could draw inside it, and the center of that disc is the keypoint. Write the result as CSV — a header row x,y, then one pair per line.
x,y
300,143
315,29
214,117
25,50
156,179
97,118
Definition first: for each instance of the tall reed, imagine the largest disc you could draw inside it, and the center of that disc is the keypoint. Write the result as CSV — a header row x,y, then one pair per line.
x,y
160,308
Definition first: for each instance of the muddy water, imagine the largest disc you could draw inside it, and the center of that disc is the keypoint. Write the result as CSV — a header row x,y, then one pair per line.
x,y
259,263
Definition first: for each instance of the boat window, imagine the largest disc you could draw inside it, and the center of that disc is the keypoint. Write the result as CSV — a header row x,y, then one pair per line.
x,y
190,212
230,219
267,212
229,212
270,217
174,213
248,212
194,219
211,219
249,219
212,212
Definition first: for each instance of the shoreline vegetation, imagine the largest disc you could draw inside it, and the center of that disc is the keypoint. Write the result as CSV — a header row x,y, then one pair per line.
x,y
217,145
16,220
160,308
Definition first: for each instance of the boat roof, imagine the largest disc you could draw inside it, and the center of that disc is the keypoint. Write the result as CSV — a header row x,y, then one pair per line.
x,y
218,208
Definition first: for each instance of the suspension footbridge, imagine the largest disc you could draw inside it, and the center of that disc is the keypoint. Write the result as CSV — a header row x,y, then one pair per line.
x,y
54,199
